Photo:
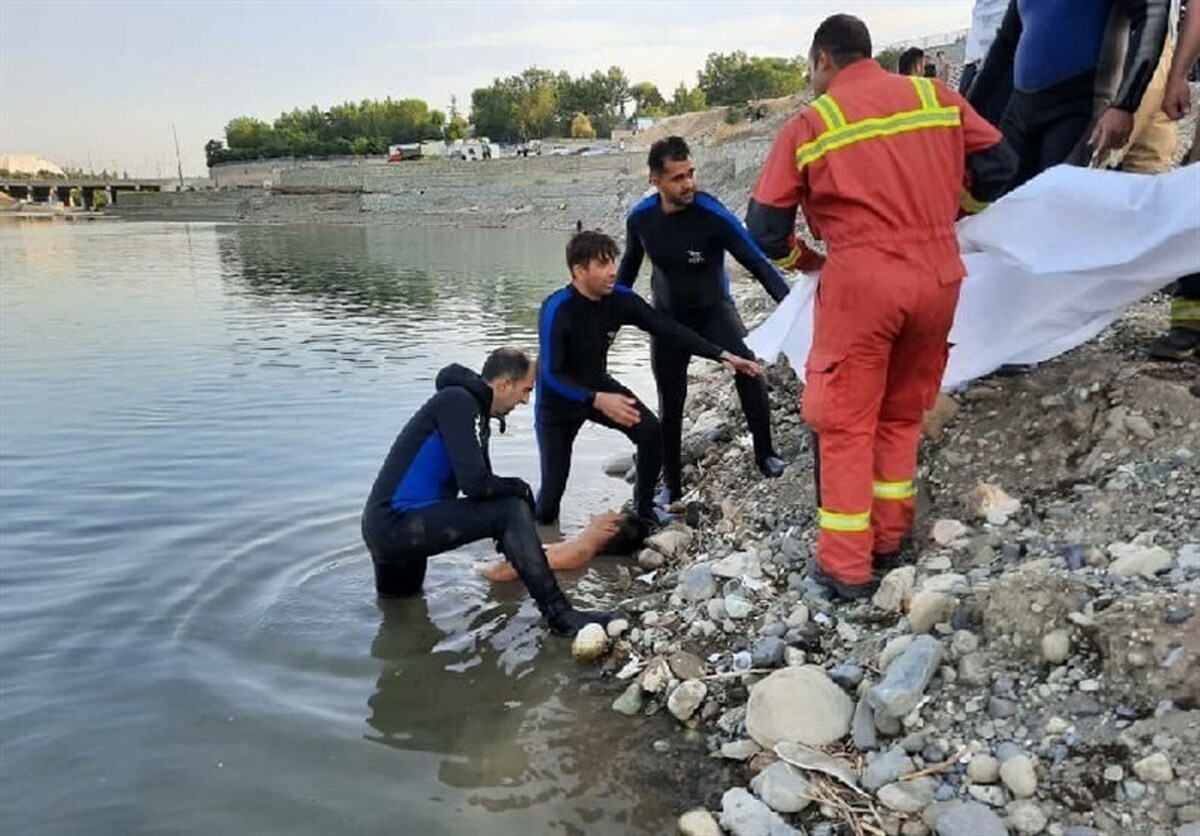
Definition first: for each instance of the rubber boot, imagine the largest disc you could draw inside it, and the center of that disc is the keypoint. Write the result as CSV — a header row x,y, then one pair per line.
x,y
523,549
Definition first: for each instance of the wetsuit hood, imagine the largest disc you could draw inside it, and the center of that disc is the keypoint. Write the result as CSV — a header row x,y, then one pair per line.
x,y
457,375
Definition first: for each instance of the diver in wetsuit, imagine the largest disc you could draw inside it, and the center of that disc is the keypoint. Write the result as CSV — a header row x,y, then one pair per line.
x,y
686,234
414,510
1051,50
575,327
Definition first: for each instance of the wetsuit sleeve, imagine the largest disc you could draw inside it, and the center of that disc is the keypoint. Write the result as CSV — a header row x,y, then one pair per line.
x,y
771,215
738,243
994,78
1148,23
631,260
991,161
635,311
455,413
552,332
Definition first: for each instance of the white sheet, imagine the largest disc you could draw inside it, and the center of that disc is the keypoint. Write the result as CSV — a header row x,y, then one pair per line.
x,y
1049,266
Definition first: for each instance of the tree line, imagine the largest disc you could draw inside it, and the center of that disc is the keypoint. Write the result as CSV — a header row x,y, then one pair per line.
x,y
532,104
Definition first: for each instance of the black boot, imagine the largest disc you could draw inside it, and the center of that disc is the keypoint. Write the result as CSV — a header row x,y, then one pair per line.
x,y
1176,345
523,549
772,466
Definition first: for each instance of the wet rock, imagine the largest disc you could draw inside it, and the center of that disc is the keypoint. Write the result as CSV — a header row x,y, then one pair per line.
x,y
685,665
656,676
740,750
798,704
698,822
1154,769
908,796
945,532
686,698
768,652
895,588
862,727
1026,817
590,643
1019,775
649,560
670,541
737,607
1056,647
744,815
986,499
782,787
696,583
631,701
906,678
1130,560
886,768
970,819
928,608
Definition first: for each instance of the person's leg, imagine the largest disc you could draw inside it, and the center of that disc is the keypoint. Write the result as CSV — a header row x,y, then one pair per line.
x,y
556,437
1066,114
724,327
1182,341
646,434
1152,142
1017,125
968,75
574,553
670,366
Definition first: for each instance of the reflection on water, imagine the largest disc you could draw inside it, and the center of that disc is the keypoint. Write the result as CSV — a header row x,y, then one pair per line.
x,y
190,419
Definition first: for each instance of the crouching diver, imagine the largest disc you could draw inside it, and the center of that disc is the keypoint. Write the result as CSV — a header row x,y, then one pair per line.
x,y
414,510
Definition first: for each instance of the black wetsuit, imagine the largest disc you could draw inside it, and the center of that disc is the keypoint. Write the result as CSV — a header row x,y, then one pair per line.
x,y
414,511
1049,51
574,334
689,283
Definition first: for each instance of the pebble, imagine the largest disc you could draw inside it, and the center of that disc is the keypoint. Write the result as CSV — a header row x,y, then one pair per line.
x,y
973,669
686,698
908,796
970,819
1019,775
885,768
946,531
983,769
1114,773
656,675
895,588
1155,768
990,794
1134,560
616,627
768,652
1026,817
696,583
744,815
698,822
737,607
927,608
685,665
670,541
1189,557
862,727
905,680
1056,647
798,704
740,750
782,788
649,560
847,674
590,643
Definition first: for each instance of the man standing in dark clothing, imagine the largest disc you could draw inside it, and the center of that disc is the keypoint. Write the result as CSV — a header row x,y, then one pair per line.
x,y
1051,49
575,327
414,510
686,234
912,62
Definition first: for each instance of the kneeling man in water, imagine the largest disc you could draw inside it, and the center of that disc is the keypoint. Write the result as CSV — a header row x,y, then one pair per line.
x,y
414,510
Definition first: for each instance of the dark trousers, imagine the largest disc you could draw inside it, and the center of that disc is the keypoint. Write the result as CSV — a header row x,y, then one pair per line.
x,y
1185,307
557,426
968,75
1045,127
401,543
719,324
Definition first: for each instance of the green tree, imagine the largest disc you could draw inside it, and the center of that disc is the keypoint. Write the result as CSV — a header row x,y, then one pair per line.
x,y
99,199
248,132
736,77
457,128
685,101
889,59
581,128
648,100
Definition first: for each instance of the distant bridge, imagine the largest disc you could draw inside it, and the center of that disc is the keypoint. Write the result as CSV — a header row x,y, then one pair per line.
x,y
57,190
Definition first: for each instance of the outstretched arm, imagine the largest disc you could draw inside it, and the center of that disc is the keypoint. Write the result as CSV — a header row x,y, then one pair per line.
x,y
741,246
771,215
631,261
637,312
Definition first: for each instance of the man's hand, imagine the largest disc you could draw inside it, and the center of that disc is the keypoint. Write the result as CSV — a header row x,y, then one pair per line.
x,y
620,409
740,365
1111,132
1177,100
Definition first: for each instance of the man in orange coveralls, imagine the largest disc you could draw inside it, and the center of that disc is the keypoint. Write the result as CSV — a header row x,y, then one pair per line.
x,y
878,163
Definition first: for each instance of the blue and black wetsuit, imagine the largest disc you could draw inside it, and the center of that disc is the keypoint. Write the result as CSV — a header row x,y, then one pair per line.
x,y
1050,51
574,334
690,284
414,510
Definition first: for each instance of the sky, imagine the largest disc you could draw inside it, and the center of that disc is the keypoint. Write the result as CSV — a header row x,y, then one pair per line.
x,y
96,84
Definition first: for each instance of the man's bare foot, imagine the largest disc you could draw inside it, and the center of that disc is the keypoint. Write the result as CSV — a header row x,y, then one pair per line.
x,y
569,554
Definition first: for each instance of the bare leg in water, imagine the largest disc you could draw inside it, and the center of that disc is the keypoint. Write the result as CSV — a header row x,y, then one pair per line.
x,y
569,554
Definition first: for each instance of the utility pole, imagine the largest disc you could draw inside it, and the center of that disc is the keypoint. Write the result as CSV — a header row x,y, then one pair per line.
x,y
178,163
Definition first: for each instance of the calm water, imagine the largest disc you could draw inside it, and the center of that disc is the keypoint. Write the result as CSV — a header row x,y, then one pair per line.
x,y
190,419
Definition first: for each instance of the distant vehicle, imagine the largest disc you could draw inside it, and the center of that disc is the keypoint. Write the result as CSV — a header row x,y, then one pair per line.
x,y
403,152
473,149
597,151
532,148
559,151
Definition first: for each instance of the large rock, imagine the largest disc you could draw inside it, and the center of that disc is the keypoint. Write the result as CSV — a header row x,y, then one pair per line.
x,y
696,583
908,796
590,643
698,822
970,819
1132,560
987,500
927,608
1155,768
685,699
889,766
798,704
895,588
906,678
670,541
744,815
945,532
782,787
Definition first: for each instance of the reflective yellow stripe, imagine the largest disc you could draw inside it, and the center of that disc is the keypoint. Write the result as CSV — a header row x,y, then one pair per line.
x,y
789,260
925,93
1185,310
839,118
972,206
831,114
833,521
874,128
894,490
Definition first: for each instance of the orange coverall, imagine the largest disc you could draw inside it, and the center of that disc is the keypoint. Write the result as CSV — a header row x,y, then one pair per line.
x,y
878,165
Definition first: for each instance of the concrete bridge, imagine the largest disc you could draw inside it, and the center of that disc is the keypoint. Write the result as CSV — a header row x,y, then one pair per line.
x,y
57,190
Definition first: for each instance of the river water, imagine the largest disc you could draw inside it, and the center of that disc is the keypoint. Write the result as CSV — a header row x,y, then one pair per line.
x,y
190,419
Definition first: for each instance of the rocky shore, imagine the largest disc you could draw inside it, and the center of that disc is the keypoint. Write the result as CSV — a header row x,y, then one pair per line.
x,y
1037,668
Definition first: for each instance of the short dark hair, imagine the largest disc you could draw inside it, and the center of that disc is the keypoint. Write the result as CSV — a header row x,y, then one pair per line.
x,y
844,37
672,148
506,364
588,246
908,60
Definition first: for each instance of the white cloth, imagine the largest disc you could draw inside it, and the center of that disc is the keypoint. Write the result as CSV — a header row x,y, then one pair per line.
x,y
986,17
1049,266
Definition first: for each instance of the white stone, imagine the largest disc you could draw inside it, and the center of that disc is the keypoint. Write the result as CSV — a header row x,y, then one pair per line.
x,y
1154,769
671,541
896,586
1056,647
737,565
946,532
798,704
948,582
1144,561
1026,817
782,787
983,769
928,608
590,643
685,699
739,750
798,617
616,627
656,675
985,499
744,815
1019,775
908,796
698,822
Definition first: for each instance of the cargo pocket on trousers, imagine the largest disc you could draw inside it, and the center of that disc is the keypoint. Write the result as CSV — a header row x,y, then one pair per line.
x,y
822,371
